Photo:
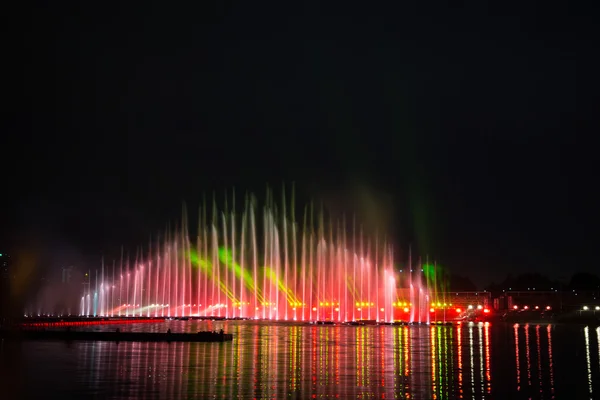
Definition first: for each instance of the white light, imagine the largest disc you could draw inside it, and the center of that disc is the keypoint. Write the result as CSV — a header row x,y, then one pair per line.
x,y
470,307
585,308
597,308
479,307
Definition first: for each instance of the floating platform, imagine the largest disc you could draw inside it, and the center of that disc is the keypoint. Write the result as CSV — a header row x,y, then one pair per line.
x,y
78,321
115,336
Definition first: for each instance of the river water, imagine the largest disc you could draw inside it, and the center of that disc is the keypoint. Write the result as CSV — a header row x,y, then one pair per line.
x,y
292,361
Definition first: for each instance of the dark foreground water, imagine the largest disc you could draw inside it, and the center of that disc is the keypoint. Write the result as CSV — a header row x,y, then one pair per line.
x,y
287,361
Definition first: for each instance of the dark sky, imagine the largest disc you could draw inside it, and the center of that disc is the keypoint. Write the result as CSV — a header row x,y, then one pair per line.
x,y
472,124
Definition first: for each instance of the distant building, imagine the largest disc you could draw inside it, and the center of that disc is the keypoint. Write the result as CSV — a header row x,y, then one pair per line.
x,y
556,300
531,299
4,261
6,277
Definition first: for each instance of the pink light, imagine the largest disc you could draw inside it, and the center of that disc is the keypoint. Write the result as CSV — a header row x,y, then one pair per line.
x,y
515,307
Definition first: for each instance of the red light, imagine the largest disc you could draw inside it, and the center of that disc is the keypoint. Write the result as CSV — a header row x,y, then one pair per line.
x,y
485,310
458,310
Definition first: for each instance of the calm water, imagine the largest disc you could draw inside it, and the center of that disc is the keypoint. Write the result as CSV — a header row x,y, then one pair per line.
x,y
471,361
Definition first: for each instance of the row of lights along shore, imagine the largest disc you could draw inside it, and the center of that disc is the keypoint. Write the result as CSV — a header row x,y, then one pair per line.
x,y
584,308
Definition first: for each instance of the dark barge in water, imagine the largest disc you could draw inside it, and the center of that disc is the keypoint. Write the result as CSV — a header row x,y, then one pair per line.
x,y
115,336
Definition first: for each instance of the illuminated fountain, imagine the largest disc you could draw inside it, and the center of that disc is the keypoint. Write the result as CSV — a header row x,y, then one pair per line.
x,y
262,264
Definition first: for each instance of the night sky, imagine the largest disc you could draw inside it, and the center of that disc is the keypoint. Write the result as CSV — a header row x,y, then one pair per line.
x,y
467,130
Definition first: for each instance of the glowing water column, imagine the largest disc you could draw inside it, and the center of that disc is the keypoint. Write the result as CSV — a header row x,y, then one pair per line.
x,y
279,269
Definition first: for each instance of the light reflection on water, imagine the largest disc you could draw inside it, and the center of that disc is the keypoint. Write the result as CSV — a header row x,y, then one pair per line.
x,y
276,361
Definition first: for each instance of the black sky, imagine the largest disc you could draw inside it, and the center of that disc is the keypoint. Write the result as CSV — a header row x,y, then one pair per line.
x,y
472,123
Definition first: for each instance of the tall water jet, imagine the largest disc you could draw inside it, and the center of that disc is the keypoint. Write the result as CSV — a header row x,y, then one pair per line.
x,y
256,262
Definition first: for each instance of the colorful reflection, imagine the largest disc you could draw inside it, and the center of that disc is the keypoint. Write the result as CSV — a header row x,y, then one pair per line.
x,y
300,361
588,359
278,361
536,377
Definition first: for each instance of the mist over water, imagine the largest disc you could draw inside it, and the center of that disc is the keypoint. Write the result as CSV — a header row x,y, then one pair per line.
x,y
269,360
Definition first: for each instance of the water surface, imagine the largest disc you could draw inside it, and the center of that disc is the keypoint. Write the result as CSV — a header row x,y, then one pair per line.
x,y
279,361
